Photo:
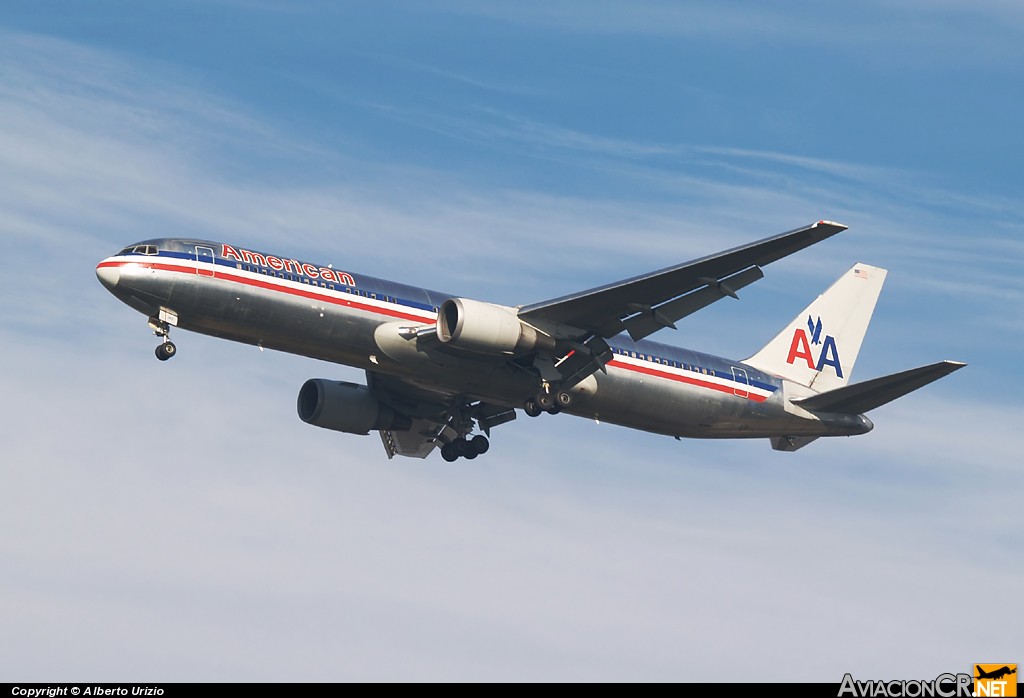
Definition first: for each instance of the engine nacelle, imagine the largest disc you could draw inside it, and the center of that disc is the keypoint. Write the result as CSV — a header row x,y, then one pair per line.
x,y
347,407
486,328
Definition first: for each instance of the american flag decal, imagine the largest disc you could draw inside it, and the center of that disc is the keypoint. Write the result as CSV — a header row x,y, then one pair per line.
x,y
860,273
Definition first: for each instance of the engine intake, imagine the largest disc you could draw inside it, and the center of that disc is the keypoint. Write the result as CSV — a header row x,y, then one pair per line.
x,y
486,328
347,407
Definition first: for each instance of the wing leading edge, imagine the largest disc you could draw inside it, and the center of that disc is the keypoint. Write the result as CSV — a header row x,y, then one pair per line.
x,y
647,303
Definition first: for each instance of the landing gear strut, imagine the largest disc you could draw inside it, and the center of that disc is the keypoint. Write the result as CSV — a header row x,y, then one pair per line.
x,y
165,349
455,437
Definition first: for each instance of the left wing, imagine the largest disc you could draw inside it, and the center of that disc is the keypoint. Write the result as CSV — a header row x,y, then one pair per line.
x,y
644,304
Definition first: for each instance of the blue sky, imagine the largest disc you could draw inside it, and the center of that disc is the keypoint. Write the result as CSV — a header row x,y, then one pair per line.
x,y
177,522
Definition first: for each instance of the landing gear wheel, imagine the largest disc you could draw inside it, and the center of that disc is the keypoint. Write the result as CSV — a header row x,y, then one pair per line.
x,y
532,409
545,401
449,453
470,453
480,444
564,398
166,350
554,410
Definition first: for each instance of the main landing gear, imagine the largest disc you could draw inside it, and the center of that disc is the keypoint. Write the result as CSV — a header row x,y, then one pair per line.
x,y
165,349
456,438
468,448
548,400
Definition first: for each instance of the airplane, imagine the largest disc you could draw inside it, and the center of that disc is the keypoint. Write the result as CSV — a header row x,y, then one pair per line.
x,y
996,674
442,371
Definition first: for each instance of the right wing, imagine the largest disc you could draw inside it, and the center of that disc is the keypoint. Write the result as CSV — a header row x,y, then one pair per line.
x,y
644,304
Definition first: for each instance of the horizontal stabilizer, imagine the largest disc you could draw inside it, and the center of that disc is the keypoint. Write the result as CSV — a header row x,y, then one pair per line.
x,y
861,397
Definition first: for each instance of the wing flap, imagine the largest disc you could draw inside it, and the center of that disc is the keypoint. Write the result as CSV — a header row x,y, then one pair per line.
x,y
650,320
418,442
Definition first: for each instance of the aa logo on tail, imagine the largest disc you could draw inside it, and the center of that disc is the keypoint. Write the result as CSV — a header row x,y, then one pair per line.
x,y
803,340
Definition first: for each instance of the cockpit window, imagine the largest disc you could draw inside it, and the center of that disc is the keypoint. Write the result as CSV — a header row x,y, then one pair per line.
x,y
140,249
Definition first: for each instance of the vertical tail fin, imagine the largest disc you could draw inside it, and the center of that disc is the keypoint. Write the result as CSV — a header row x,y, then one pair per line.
x,y
818,349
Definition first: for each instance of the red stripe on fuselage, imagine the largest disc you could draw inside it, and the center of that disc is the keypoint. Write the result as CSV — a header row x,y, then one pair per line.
x,y
690,381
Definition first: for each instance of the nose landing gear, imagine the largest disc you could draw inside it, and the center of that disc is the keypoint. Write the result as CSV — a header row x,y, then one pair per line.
x,y
165,349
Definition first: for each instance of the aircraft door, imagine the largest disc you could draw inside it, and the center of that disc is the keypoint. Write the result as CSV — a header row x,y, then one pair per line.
x,y
740,386
204,256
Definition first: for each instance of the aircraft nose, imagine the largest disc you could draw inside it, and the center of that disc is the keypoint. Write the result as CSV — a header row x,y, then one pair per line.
x,y
108,274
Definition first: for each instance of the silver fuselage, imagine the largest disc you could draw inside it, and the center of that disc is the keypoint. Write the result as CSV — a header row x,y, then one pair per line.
x,y
323,313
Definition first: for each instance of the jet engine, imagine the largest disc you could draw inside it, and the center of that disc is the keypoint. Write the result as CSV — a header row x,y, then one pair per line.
x,y
487,329
347,407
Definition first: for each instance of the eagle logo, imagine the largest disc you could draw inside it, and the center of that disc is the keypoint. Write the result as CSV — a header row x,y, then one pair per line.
x,y
815,329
